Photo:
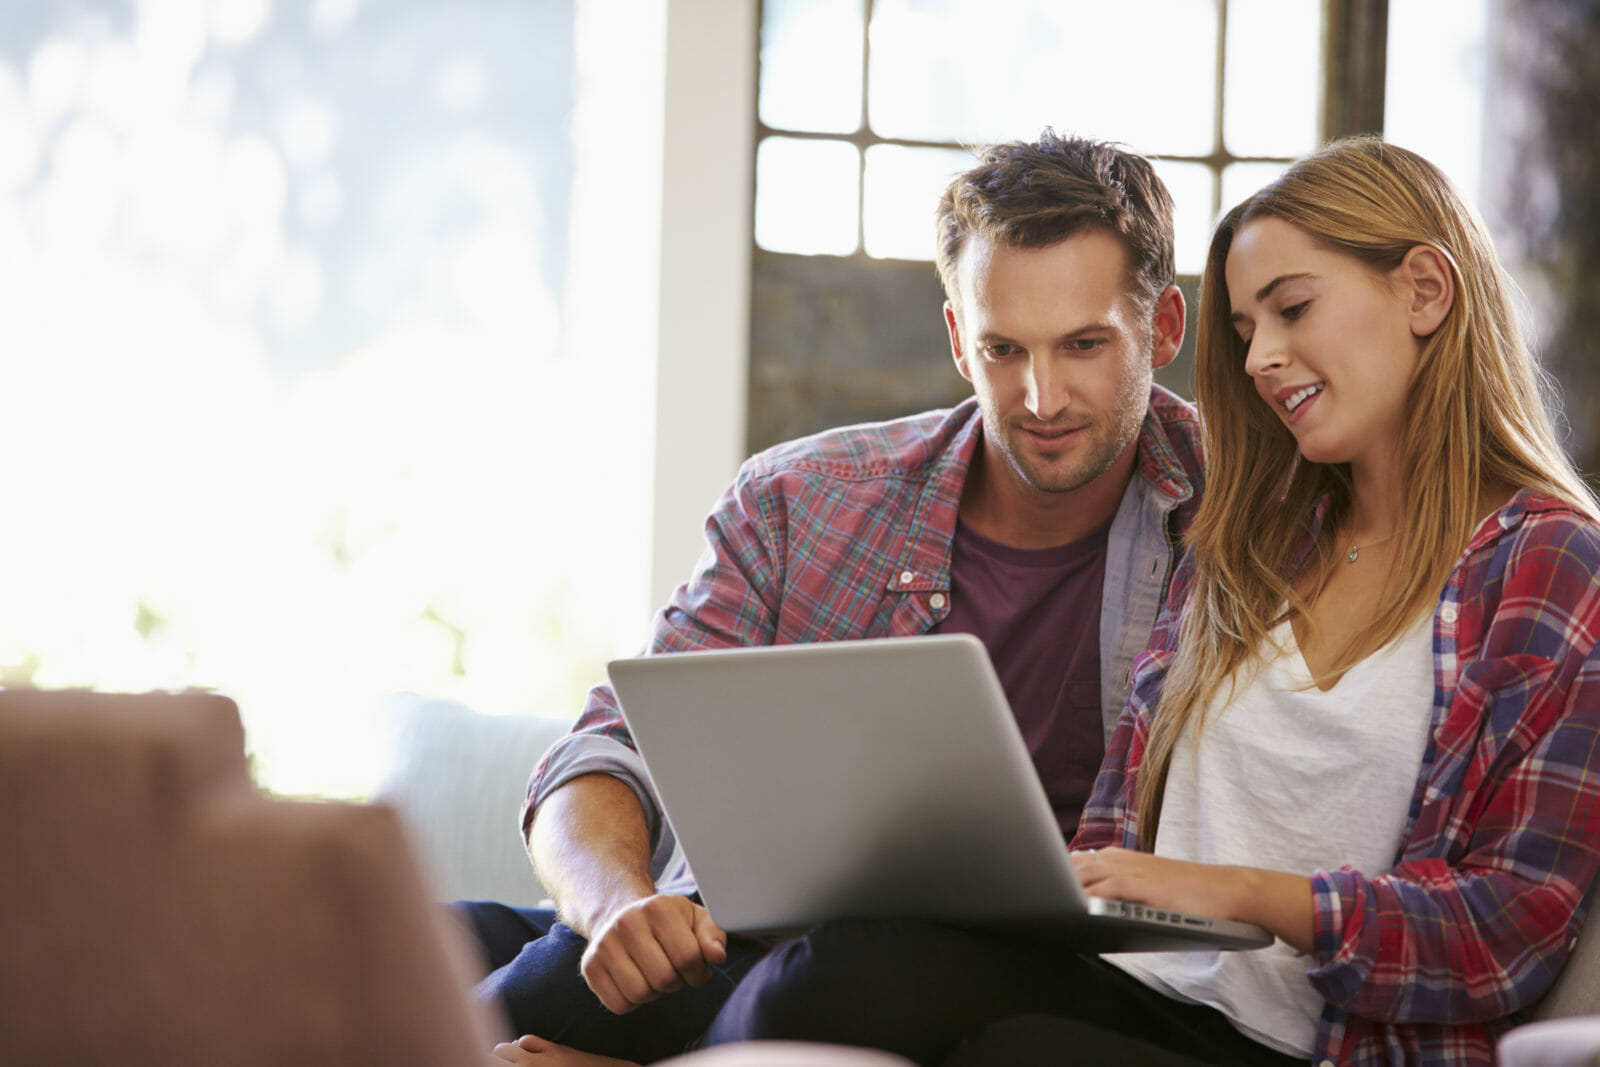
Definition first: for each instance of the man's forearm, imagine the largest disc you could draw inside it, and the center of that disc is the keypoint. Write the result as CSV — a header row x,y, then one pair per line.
x,y
591,850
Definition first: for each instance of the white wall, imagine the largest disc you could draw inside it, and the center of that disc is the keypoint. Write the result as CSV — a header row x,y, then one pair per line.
x,y
708,134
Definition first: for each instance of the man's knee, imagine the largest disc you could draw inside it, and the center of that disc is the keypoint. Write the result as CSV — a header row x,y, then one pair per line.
x,y
543,992
541,985
500,930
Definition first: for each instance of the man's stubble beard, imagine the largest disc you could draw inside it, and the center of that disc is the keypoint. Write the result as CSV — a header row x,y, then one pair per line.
x,y
1104,448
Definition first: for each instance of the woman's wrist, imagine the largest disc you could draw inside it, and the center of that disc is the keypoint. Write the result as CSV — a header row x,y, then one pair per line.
x,y
1277,900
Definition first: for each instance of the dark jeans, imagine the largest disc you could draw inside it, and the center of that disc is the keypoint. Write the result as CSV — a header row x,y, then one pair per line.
x,y
942,995
533,961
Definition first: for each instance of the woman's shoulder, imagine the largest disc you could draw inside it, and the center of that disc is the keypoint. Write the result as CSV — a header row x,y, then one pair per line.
x,y
1540,547
1541,522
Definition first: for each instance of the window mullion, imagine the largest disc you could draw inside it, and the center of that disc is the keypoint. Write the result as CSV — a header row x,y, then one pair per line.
x,y
864,128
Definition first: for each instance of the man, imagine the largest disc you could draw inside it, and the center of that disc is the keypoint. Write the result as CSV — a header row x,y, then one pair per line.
x,y
1044,515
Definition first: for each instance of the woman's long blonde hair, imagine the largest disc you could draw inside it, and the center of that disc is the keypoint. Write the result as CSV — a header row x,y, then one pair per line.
x,y
1476,420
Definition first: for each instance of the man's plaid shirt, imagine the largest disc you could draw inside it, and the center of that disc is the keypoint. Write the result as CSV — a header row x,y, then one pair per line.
x,y
847,534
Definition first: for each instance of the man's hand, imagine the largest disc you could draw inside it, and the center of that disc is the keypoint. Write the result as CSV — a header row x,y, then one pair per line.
x,y
652,947
591,850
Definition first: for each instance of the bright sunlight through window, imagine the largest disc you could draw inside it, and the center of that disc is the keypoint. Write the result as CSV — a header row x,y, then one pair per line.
x,y
938,75
302,363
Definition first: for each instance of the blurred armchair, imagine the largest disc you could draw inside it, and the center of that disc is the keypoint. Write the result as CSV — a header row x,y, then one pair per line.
x,y
157,909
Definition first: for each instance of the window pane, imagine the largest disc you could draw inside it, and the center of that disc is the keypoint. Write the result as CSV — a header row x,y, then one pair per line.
x,y
324,251
1191,186
1242,179
903,187
977,71
806,196
1433,59
810,65
1274,61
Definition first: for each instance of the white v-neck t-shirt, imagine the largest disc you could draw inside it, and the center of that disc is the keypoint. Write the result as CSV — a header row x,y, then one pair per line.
x,y
1291,778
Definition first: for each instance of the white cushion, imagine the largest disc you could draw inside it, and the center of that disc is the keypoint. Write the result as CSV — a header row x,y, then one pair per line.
x,y
1557,1043
457,777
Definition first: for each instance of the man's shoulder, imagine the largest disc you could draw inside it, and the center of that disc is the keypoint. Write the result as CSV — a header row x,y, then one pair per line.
x,y
896,447
1174,413
1171,453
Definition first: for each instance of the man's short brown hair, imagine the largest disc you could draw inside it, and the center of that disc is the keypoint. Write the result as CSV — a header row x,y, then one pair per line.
x,y
1031,195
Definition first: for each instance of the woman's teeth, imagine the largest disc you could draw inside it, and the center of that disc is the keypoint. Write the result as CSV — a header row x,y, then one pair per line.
x,y
1296,399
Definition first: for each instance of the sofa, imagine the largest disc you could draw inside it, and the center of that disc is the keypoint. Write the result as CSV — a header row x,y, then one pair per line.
x,y
457,778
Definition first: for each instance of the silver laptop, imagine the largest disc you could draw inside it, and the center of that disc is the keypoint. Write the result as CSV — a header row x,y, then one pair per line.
x,y
875,778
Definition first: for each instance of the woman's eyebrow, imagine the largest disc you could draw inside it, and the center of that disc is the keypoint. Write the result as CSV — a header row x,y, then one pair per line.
x,y
1266,290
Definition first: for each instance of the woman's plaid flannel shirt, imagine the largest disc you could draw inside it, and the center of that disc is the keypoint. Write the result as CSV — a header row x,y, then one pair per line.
x,y
1431,961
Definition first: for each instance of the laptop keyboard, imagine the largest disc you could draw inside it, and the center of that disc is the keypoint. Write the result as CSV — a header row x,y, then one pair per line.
x,y
1130,910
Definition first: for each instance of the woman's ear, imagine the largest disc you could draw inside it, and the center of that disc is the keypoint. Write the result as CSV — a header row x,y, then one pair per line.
x,y
1430,287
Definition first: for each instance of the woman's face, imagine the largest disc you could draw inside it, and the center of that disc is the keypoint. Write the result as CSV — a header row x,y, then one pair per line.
x,y
1330,343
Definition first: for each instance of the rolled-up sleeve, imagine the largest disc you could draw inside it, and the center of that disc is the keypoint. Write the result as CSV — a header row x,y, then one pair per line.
x,y
727,602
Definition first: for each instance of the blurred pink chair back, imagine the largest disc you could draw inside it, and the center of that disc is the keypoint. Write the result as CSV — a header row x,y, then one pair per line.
x,y
156,909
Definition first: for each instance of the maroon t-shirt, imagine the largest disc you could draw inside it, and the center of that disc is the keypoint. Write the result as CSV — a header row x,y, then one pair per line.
x,y
1037,611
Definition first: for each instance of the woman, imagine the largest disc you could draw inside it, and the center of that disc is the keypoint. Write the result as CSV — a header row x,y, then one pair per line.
x,y
1377,670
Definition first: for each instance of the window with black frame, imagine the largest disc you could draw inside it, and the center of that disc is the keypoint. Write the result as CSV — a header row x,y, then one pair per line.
x,y
866,108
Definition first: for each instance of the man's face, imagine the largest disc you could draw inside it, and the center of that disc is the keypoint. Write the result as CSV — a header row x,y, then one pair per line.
x,y
1060,355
